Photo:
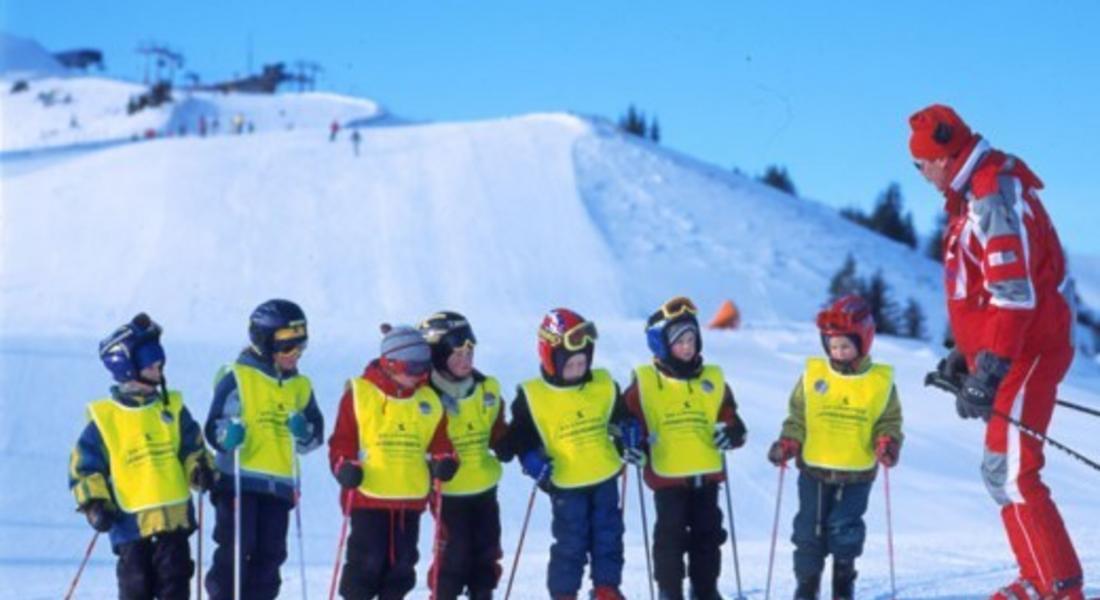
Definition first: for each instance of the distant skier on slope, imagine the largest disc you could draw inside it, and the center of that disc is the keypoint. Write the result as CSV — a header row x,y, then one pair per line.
x,y
1011,304
844,418
134,463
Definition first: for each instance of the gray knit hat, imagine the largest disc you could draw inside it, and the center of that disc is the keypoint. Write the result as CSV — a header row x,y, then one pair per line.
x,y
403,343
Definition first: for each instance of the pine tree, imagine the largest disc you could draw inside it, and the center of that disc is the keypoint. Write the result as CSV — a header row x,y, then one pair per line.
x,y
845,281
633,122
778,178
913,320
934,246
883,308
888,220
655,130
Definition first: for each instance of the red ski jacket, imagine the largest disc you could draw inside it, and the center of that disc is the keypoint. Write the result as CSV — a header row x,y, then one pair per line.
x,y
1008,291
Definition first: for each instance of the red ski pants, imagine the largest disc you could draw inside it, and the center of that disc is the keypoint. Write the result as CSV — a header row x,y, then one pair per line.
x,y
1011,466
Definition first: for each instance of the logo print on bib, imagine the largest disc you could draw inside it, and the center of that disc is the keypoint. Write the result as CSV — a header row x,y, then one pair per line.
x,y
425,408
707,386
821,386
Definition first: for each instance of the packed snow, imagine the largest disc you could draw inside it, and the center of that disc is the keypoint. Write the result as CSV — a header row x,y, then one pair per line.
x,y
499,219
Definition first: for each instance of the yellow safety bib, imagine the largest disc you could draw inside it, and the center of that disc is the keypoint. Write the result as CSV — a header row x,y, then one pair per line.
x,y
143,446
680,415
394,435
572,423
266,404
841,412
470,430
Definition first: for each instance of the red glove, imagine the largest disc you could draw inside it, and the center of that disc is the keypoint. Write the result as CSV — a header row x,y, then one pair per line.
x,y
783,450
887,450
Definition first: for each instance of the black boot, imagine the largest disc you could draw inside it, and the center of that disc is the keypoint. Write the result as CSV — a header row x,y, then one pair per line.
x,y
844,579
670,593
480,595
711,594
808,587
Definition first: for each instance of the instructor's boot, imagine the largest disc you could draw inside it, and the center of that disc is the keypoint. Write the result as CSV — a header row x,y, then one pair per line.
x,y
844,579
808,587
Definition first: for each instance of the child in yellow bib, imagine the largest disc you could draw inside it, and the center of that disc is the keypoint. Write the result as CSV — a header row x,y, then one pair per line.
x,y
844,419
135,464
560,431
263,413
685,417
467,550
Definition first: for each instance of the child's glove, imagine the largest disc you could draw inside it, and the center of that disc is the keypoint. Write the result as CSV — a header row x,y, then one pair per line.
x,y
299,427
783,450
729,437
443,467
887,450
635,456
349,474
536,465
100,516
231,436
203,477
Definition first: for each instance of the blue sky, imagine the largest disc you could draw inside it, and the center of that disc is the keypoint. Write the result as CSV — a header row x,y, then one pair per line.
x,y
823,88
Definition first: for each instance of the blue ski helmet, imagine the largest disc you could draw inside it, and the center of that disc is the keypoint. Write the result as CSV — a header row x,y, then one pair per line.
x,y
276,326
131,348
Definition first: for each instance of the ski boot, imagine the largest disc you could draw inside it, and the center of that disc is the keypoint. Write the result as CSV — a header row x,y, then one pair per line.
x,y
670,593
606,592
480,595
808,587
844,579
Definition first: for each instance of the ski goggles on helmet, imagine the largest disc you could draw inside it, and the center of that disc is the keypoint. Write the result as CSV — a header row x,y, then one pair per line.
x,y
412,368
294,348
575,338
678,307
837,321
290,338
459,338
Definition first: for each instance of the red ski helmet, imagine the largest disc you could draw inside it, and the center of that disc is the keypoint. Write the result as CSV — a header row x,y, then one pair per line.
x,y
562,334
849,316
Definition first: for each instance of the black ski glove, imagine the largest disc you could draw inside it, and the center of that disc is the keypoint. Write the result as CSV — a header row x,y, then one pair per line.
x,y
349,474
203,477
443,467
953,368
730,437
979,389
100,516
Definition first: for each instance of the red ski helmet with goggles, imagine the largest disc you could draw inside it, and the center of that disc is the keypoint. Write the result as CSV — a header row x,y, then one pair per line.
x,y
848,316
561,334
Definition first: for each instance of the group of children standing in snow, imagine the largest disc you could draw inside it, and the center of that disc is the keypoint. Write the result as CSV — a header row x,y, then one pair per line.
x,y
421,425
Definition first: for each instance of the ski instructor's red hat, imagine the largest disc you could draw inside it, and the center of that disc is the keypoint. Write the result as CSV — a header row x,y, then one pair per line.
x,y
938,132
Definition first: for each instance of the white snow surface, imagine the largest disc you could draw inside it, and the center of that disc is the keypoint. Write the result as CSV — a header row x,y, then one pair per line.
x,y
501,220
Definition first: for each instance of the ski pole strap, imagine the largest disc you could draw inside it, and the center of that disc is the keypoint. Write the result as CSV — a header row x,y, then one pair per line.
x,y
934,379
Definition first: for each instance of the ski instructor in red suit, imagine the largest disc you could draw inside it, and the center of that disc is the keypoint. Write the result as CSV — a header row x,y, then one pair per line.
x,y
1010,302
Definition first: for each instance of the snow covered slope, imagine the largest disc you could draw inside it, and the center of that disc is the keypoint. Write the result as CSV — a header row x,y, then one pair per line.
x,y
502,220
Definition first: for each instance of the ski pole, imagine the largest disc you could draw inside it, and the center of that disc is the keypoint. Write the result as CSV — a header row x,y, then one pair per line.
x,y
237,522
522,534
298,524
934,379
83,563
437,538
622,492
645,532
733,532
340,545
775,531
1078,407
198,579
889,532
